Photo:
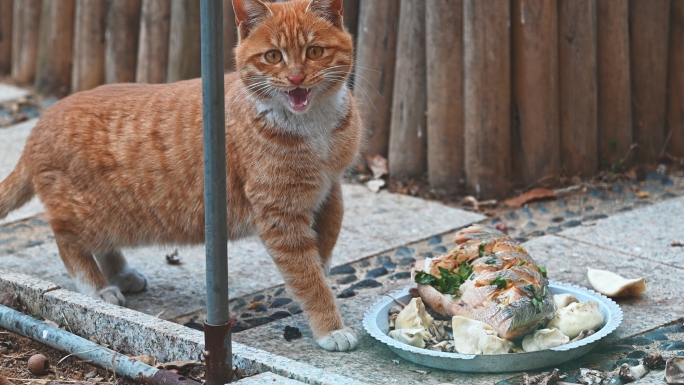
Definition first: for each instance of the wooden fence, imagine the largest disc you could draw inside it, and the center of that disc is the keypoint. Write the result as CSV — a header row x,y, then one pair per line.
x,y
485,94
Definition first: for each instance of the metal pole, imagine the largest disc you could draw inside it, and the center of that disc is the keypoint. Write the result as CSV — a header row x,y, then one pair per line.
x,y
217,341
59,339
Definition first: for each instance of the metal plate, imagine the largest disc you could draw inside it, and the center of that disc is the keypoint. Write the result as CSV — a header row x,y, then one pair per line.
x,y
376,324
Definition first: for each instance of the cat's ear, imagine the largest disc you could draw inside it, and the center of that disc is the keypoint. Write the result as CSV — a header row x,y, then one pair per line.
x,y
331,10
248,14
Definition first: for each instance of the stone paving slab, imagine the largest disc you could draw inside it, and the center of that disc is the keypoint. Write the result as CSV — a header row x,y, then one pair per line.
x,y
370,226
567,261
8,93
12,141
646,233
268,378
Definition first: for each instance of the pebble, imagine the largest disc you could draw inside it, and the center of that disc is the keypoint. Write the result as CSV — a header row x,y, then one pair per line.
x,y
7,230
588,209
628,361
680,354
411,260
38,222
8,240
607,202
609,366
437,239
504,382
573,223
294,309
259,297
194,325
280,302
521,239
526,212
594,217
557,219
31,244
656,336
38,364
382,259
347,279
536,233
366,284
346,293
651,188
637,354
364,264
570,214
672,329
375,273
390,265
617,188
617,349
671,345
653,175
553,229
638,341
246,315
280,314
254,322
562,202
400,275
279,292
344,269
440,249
530,224
404,251
260,309
511,216
597,193
666,181
542,209
629,196
626,208
239,303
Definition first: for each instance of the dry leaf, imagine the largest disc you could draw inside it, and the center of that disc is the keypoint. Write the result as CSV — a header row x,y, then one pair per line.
x,y
254,305
377,164
145,359
10,300
531,195
179,365
173,258
677,244
642,195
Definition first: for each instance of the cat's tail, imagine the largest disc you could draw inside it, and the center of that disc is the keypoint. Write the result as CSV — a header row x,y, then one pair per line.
x,y
16,190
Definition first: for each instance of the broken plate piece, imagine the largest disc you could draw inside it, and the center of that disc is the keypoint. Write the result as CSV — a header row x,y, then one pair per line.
x,y
544,339
576,317
674,370
476,337
613,285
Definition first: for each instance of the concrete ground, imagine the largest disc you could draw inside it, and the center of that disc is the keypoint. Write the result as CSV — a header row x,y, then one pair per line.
x,y
383,234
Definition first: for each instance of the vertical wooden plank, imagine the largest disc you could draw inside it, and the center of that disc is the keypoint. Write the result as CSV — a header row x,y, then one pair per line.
x,y
25,33
6,11
649,26
351,16
55,49
89,45
230,36
535,91
153,49
408,130
487,79
444,54
614,85
184,41
676,80
121,40
578,87
375,64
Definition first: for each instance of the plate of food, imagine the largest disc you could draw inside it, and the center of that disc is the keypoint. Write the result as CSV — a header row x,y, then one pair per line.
x,y
486,306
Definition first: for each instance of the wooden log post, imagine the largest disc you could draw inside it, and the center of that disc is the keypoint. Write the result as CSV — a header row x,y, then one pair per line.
x,y
6,12
578,87
121,40
486,36
153,44
444,55
614,85
230,36
25,33
55,48
535,91
89,45
408,129
649,30
375,64
676,80
351,16
184,41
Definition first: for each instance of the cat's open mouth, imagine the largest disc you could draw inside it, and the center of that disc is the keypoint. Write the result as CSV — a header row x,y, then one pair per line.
x,y
298,98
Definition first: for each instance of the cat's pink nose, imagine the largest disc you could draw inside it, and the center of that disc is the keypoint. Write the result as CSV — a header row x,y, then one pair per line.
x,y
296,79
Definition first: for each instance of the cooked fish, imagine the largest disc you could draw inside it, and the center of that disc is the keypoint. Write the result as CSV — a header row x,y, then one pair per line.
x,y
498,283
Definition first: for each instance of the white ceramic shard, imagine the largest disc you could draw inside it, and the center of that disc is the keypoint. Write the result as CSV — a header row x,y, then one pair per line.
x,y
574,318
614,285
544,339
476,337
414,337
414,316
563,300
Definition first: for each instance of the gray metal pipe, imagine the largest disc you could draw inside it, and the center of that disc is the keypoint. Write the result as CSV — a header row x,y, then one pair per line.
x,y
59,339
217,327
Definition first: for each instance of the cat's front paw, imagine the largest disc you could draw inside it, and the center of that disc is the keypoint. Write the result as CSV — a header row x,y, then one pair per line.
x,y
111,294
339,340
130,280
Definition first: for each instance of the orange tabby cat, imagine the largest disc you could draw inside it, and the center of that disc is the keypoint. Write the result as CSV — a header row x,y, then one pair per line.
x,y
122,166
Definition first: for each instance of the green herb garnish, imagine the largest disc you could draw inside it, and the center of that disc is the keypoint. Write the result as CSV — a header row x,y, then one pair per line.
x,y
536,298
491,261
542,270
447,282
480,250
521,263
500,282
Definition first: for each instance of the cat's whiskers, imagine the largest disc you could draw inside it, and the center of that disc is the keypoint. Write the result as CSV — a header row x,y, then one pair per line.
x,y
332,76
355,75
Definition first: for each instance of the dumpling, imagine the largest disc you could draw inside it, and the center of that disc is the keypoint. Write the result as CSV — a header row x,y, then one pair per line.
x,y
414,337
574,318
476,337
414,316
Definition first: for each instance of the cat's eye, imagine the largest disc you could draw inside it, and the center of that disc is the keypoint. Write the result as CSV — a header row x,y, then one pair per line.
x,y
314,53
273,57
